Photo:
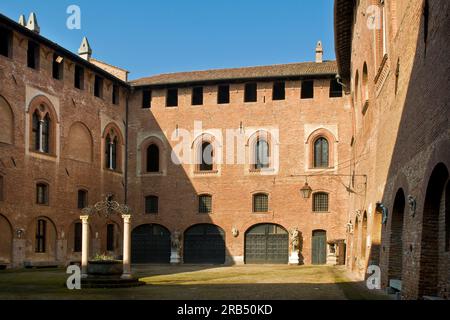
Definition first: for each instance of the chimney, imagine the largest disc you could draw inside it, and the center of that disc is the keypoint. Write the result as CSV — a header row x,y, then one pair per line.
x,y
33,24
22,20
85,50
319,52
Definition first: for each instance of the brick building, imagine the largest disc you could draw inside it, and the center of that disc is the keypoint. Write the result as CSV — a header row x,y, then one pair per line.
x,y
393,58
74,131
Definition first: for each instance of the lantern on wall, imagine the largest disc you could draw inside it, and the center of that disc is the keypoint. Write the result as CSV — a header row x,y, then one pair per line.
x,y
306,191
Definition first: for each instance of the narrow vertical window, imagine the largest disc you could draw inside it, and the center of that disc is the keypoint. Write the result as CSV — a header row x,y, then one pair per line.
x,y
79,78
5,42
115,94
172,97
111,152
206,157
82,199
78,237
42,194
262,154
146,99
153,158
41,235
223,94
110,237
197,96
251,92
321,150
33,53
307,89
114,154
36,132
57,67
279,91
46,123
98,87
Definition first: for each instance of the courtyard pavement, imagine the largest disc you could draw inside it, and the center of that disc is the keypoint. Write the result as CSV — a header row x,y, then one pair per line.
x,y
249,282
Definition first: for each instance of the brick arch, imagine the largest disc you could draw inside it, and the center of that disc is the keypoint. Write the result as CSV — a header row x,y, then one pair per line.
x,y
396,226
113,132
311,141
196,146
51,237
42,106
39,100
6,122
80,143
6,239
251,144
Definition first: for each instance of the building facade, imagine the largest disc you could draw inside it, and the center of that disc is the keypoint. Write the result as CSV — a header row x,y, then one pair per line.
x,y
392,56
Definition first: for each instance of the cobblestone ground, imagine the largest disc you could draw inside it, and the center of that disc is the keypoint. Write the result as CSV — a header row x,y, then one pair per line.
x,y
199,283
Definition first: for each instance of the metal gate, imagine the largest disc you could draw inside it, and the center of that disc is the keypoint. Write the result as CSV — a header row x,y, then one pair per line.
x,y
319,247
267,243
150,243
204,243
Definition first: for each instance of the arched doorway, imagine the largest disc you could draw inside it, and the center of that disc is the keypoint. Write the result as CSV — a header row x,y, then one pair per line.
x,y
204,244
267,243
150,243
396,239
430,251
319,247
6,237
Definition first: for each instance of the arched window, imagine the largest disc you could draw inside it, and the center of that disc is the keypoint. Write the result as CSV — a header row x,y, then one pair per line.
x,y
321,153
260,202
7,118
41,131
153,158
262,154
205,203
111,153
320,202
206,157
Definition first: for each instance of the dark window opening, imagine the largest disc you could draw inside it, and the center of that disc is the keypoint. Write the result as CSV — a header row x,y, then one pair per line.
x,y
205,204
115,94
82,199
321,153
335,89
33,55
151,205
41,234
78,237
307,89
57,67
260,203
79,77
42,194
251,92
153,158
46,134
146,99
320,202
262,154
279,91
6,42
223,94
172,98
197,96
36,136
110,237
98,87
206,157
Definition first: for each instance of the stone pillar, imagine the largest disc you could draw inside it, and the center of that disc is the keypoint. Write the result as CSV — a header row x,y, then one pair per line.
x,y
126,247
85,247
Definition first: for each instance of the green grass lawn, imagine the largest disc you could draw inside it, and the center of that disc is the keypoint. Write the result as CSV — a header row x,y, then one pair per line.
x,y
196,282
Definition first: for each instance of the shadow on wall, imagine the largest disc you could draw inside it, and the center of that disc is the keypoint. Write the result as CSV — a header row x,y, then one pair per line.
x,y
423,129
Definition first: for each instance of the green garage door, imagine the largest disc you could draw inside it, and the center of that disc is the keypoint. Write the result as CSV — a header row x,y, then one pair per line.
x,y
267,243
319,247
204,244
150,243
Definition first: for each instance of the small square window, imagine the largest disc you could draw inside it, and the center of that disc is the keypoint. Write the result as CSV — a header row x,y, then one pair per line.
x,y
307,89
223,94
320,202
279,91
197,96
251,92
57,67
5,42
115,94
79,78
172,98
260,203
33,55
42,194
151,205
98,87
205,204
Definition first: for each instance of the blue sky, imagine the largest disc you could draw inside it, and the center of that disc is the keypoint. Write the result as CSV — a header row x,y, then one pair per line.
x,y
159,36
